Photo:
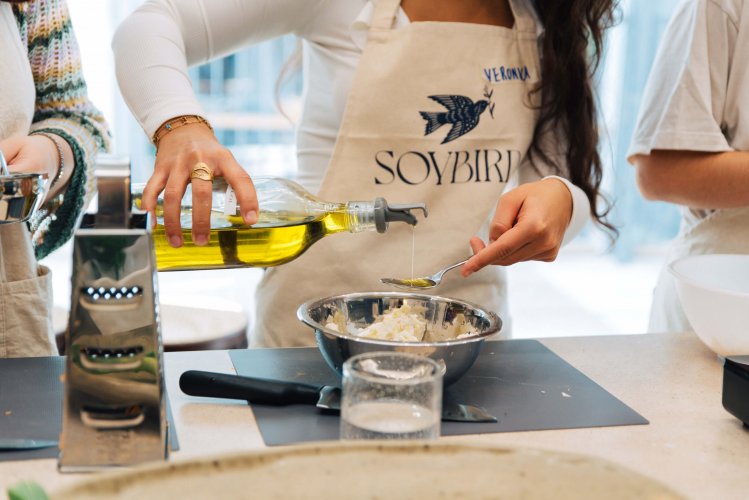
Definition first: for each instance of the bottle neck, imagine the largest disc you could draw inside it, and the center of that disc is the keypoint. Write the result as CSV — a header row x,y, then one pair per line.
x,y
360,216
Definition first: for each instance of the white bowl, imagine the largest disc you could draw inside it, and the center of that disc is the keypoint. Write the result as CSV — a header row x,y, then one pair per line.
x,y
714,293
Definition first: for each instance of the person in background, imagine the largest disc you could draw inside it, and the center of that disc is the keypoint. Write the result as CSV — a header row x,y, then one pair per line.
x,y
691,143
47,125
443,102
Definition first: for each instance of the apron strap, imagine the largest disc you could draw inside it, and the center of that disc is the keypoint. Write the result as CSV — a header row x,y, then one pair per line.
x,y
527,19
384,14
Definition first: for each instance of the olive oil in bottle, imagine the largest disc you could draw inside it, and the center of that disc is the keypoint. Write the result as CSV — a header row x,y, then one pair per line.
x,y
290,220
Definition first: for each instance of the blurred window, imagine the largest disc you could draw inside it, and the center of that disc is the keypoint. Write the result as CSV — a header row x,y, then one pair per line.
x,y
631,49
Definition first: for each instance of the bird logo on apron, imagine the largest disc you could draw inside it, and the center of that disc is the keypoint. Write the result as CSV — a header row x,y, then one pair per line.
x,y
462,113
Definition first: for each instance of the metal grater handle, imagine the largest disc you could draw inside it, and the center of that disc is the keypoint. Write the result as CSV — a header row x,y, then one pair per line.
x,y
113,184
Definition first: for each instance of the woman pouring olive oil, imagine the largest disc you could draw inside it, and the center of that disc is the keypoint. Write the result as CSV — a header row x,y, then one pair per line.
x,y
442,102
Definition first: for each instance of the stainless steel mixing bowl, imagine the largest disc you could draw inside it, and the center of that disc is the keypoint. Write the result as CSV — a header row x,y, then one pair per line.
x,y
360,309
20,194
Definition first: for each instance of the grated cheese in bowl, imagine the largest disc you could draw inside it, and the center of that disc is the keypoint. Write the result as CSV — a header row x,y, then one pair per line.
x,y
405,324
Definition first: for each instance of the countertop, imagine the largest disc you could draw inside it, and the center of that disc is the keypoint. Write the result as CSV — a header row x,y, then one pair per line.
x,y
691,444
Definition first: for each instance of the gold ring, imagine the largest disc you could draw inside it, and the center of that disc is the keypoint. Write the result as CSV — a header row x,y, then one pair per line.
x,y
202,171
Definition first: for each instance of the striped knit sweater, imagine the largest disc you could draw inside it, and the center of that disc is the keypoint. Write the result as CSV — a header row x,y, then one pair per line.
x,y
62,108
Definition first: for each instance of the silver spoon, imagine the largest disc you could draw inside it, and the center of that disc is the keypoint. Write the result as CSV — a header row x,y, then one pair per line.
x,y
421,283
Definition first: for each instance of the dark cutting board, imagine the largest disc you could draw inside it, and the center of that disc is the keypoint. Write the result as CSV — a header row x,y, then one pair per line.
x,y
521,382
31,404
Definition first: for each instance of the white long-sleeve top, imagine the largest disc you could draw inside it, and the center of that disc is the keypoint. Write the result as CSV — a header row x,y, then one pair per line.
x,y
156,44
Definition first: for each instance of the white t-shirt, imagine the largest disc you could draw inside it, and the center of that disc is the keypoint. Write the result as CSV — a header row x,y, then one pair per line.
x,y
697,96
162,38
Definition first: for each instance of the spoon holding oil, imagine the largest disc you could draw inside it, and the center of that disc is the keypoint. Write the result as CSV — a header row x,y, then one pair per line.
x,y
423,282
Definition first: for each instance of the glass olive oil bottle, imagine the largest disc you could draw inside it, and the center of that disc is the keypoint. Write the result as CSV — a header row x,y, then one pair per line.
x,y
290,220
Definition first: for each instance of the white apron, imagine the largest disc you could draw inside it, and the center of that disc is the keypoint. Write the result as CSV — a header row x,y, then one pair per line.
x,y
723,231
438,113
25,287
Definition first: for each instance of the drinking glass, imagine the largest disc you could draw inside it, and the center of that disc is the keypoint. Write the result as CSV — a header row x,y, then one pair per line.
x,y
391,395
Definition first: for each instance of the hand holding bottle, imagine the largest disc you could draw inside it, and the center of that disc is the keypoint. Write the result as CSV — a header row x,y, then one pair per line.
x,y
529,224
178,153
291,219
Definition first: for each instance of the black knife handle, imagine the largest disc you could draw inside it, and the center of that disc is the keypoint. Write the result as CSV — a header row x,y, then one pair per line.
x,y
254,390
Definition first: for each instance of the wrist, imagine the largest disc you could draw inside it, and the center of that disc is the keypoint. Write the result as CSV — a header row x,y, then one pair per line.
x,y
567,190
580,209
59,172
189,139
188,122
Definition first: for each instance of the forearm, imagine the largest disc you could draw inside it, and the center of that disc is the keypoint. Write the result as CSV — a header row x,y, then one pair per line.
x,y
695,179
80,146
80,142
156,44
151,63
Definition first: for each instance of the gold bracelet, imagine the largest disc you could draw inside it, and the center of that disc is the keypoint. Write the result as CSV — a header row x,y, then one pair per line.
x,y
60,157
177,122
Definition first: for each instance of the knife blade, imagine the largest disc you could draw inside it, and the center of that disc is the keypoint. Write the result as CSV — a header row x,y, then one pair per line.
x,y
11,444
281,393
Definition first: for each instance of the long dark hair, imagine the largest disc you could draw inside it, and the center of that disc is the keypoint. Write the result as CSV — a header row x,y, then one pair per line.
x,y
571,51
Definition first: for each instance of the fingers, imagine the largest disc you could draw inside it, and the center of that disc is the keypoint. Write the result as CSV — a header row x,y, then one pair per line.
x,y
522,243
24,165
179,152
505,217
498,252
243,187
10,148
154,187
30,154
476,246
201,210
529,224
173,192
172,178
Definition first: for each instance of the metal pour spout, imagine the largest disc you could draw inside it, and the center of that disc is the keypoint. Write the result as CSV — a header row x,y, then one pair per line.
x,y
384,213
